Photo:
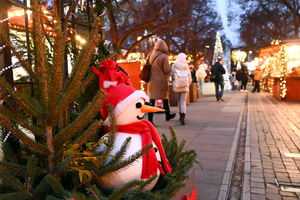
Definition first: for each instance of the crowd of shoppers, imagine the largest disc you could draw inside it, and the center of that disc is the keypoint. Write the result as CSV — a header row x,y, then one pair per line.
x,y
182,75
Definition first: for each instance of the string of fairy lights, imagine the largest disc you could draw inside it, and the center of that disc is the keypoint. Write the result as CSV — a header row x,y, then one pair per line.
x,y
3,47
270,85
4,20
283,69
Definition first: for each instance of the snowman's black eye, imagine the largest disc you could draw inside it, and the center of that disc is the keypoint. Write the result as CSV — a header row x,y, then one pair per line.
x,y
138,105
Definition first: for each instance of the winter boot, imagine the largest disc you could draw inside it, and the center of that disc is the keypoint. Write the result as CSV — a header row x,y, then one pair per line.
x,y
150,115
182,118
166,106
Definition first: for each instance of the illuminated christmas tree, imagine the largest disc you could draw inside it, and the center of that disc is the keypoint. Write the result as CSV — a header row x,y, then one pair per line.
x,y
218,50
219,53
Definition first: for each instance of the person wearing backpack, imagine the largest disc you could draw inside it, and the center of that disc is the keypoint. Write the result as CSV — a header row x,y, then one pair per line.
x,y
181,82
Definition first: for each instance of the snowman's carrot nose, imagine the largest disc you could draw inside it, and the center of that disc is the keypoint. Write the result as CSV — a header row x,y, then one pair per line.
x,y
148,109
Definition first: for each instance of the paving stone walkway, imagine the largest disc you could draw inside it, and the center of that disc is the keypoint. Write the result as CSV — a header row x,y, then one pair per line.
x,y
273,130
211,130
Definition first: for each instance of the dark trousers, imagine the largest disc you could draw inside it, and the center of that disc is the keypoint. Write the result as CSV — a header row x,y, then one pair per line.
x,y
165,106
244,84
256,86
219,86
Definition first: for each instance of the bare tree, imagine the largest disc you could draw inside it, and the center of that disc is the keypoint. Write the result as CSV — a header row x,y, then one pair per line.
x,y
199,31
129,19
265,20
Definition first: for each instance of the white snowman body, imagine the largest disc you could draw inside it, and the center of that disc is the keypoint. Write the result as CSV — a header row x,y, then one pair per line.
x,y
133,171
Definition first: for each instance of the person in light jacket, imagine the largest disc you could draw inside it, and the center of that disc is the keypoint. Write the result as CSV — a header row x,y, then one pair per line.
x,y
157,87
201,74
257,74
181,71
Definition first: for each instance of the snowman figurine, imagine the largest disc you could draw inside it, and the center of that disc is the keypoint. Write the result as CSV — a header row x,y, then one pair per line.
x,y
129,109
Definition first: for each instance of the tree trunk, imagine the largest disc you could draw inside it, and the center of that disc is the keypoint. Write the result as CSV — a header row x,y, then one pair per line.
x,y
51,155
112,22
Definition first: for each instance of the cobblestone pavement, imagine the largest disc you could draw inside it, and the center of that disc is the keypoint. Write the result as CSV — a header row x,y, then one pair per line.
x,y
273,130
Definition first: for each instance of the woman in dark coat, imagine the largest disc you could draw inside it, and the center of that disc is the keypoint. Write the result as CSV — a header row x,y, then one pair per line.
x,y
244,78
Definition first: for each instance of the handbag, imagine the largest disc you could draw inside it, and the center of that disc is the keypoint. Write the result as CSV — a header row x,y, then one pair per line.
x,y
145,73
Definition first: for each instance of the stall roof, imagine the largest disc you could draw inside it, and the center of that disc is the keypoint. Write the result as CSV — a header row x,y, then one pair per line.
x,y
273,49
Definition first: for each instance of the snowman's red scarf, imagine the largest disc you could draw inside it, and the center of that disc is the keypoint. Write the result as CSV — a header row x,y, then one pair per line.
x,y
149,134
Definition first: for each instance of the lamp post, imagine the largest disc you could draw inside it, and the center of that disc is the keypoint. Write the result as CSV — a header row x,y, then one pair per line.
x,y
206,53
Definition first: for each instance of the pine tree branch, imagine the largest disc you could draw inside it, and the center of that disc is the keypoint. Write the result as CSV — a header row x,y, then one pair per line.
x,y
95,192
56,185
12,180
146,182
51,197
25,64
92,130
119,193
40,53
11,166
58,63
31,171
111,136
27,103
79,71
87,114
15,196
109,168
39,190
19,120
31,144
122,152
88,80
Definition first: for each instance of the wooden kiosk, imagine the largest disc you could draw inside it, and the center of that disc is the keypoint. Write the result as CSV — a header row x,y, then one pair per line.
x,y
281,64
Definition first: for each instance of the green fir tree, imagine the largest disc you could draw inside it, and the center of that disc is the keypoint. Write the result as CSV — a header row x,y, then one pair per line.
x,y
58,160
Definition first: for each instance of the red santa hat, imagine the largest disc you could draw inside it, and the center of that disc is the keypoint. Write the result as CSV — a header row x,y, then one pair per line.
x,y
119,97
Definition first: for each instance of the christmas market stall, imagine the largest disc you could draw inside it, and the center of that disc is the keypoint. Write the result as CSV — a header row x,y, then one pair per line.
x,y
281,63
132,65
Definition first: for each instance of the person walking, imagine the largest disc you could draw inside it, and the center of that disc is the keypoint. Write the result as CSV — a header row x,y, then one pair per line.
x,y
181,82
257,74
217,71
244,78
157,87
201,74
234,81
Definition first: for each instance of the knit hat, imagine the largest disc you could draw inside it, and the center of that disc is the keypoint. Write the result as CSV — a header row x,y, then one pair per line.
x,y
181,62
119,97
